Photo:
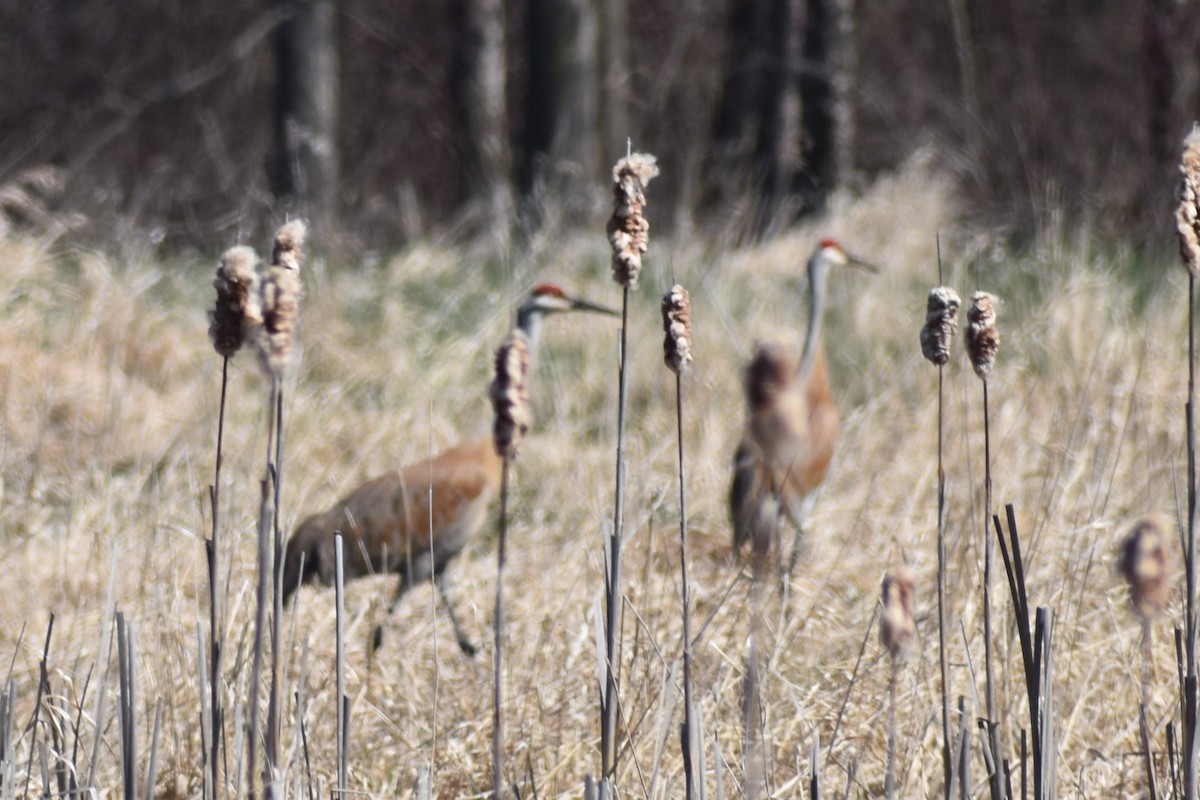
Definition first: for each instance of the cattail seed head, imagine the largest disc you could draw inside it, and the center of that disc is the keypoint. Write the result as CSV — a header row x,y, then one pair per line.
x,y
897,624
677,326
941,323
281,294
510,395
982,337
1187,215
628,230
236,310
1144,562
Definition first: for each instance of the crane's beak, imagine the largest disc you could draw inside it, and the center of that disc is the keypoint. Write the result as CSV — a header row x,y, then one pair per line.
x,y
584,305
858,263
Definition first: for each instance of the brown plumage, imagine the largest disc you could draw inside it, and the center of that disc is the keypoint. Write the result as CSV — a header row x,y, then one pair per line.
x,y
791,429
386,524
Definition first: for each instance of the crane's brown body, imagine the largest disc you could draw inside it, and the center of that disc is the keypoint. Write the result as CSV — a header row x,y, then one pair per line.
x,y
785,453
386,523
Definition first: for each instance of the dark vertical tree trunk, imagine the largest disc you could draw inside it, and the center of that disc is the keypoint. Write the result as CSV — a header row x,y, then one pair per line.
x,y
614,98
306,103
772,104
481,67
817,102
561,133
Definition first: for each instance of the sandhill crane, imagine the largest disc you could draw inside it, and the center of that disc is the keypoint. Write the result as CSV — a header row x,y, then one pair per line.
x,y
791,426
386,523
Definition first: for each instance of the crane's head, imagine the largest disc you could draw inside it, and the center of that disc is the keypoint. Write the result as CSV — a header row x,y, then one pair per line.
x,y
829,253
550,298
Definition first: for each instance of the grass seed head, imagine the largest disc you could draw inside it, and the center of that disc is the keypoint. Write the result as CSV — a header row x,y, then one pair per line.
x,y
897,624
236,311
1187,215
677,327
941,323
628,230
510,395
1144,562
982,337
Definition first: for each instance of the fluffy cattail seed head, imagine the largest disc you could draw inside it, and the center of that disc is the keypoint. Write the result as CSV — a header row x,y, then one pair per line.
x,y
236,310
1187,215
982,337
941,323
510,395
628,230
1144,563
677,326
289,245
897,623
281,293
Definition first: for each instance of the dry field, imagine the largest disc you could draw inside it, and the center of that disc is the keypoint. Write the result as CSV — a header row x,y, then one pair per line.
x,y
109,390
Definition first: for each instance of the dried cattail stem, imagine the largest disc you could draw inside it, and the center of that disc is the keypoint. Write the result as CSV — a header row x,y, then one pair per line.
x,y
1144,563
941,323
236,310
510,395
1187,216
628,230
281,293
896,624
677,326
982,337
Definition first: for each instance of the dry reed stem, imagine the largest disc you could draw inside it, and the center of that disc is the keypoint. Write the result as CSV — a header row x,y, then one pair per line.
x,y
982,337
510,395
237,308
677,327
1144,562
628,231
941,323
1187,215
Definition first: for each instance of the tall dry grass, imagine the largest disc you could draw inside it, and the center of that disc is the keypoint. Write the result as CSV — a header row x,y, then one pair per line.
x,y
107,386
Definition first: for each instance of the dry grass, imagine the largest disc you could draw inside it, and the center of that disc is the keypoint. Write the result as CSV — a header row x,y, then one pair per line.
x,y
109,391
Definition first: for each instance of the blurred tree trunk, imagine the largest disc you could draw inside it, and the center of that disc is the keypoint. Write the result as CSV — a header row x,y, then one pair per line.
x,y
561,132
825,97
306,107
616,87
751,117
481,68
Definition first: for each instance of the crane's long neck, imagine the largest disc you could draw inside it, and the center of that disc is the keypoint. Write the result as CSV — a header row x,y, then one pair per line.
x,y
529,322
816,314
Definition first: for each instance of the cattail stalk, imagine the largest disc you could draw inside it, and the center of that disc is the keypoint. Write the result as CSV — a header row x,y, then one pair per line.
x,y
1187,219
982,343
941,324
896,631
628,234
1143,562
677,354
510,401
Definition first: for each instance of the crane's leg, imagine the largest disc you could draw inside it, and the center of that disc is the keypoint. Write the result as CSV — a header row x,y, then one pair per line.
x,y
417,570
464,643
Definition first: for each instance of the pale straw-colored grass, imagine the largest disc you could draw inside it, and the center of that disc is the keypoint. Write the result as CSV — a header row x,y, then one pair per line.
x,y
108,382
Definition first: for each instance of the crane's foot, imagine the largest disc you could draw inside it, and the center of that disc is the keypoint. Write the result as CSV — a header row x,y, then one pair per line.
x,y
469,649
377,638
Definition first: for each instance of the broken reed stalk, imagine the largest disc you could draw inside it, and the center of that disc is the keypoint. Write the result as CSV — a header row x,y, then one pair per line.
x,y
127,674
1187,225
43,687
234,314
509,394
896,630
343,715
1037,658
260,621
941,324
1144,563
677,354
982,342
628,235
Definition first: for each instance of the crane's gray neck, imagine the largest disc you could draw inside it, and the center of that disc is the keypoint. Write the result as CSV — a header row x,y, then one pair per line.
x,y
817,271
529,322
